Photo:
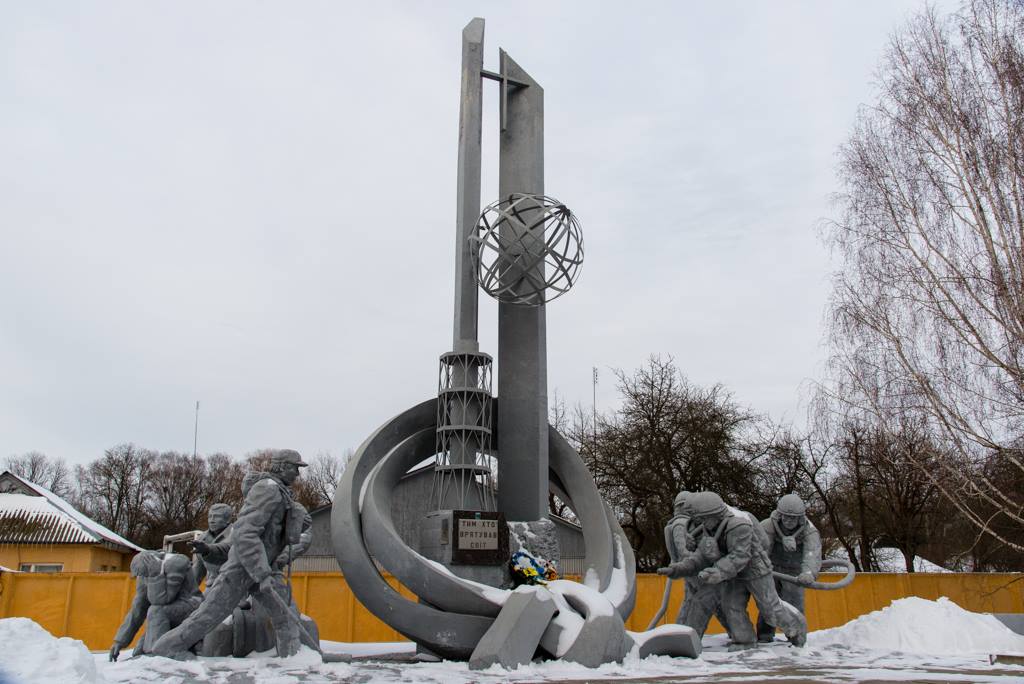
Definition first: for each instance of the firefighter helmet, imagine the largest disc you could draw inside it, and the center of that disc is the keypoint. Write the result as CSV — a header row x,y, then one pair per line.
x,y
791,504
706,503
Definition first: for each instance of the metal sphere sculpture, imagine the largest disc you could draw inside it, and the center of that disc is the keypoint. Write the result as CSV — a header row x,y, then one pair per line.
x,y
528,249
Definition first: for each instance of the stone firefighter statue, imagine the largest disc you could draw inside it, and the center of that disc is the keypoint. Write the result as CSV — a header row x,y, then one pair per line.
x,y
166,592
258,537
794,547
731,550
701,600
211,549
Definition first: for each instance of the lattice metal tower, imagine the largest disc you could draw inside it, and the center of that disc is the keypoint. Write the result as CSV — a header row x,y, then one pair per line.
x,y
463,473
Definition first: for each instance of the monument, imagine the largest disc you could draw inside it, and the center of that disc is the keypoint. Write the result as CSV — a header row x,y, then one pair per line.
x,y
269,523
166,593
524,250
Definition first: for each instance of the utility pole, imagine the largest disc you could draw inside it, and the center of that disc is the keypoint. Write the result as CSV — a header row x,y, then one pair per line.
x,y
195,436
593,405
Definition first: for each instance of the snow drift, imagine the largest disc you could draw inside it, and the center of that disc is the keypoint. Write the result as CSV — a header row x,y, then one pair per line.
x,y
32,655
917,625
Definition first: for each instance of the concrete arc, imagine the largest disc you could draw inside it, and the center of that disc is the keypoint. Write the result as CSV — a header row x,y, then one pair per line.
x,y
453,629
450,635
435,586
587,505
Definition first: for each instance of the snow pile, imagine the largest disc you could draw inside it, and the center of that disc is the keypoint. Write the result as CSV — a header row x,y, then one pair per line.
x,y
917,625
30,654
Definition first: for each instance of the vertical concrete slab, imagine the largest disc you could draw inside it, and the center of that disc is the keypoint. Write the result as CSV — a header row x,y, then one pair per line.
x,y
522,335
513,638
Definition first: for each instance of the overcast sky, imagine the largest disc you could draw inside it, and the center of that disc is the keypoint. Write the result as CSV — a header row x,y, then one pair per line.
x,y
252,205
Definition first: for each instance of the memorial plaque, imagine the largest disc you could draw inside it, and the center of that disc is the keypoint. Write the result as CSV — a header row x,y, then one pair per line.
x,y
480,538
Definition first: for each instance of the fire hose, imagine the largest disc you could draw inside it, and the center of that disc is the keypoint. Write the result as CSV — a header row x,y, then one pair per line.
x,y
824,586
821,586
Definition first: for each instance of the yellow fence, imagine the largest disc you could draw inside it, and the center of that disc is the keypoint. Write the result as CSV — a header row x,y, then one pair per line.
x,y
89,606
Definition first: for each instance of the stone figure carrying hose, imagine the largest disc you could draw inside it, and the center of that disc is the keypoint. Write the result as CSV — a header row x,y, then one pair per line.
x,y
731,551
795,550
701,600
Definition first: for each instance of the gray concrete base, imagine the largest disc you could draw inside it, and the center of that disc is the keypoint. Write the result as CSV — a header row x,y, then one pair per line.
x,y
678,641
1015,621
603,639
513,637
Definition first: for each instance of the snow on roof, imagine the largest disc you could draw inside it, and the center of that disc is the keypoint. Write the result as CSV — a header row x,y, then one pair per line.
x,y
49,519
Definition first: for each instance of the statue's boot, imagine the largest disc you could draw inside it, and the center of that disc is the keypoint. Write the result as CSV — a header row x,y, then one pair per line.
x,y
175,644
796,630
285,625
288,642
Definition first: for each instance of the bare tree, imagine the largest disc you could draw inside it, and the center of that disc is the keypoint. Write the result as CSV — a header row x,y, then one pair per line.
x,y
225,477
870,476
38,468
113,489
668,435
180,490
927,313
323,474
903,499
259,460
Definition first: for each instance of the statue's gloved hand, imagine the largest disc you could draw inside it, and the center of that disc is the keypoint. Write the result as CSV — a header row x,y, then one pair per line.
x,y
805,578
677,570
200,547
115,652
711,576
282,560
684,568
266,584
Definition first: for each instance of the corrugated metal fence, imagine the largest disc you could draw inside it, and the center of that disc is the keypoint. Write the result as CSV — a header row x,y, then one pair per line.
x,y
89,606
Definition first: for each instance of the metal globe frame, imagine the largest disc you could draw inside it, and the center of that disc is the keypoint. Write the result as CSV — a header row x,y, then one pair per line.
x,y
528,249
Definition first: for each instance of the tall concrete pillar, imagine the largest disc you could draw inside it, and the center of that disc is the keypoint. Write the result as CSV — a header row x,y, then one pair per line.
x,y
468,191
522,339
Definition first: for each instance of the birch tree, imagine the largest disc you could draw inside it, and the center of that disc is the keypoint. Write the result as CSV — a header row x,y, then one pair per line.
x,y
927,312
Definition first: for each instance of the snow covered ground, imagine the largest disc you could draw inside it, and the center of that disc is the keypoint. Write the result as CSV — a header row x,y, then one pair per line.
x,y
892,560
913,640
